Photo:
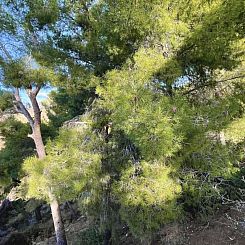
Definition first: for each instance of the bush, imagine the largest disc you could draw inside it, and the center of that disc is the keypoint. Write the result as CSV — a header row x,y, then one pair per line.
x,y
147,194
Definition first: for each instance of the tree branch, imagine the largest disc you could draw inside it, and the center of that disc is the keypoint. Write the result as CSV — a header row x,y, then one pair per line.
x,y
208,84
21,108
36,90
36,109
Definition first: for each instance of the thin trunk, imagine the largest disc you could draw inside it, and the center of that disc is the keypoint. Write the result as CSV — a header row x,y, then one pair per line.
x,y
55,208
37,137
58,224
169,90
106,197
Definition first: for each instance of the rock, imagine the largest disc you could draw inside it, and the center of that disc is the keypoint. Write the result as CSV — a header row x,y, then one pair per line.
x,y
38,239
3,233
45,209
15,239
16,220
5,204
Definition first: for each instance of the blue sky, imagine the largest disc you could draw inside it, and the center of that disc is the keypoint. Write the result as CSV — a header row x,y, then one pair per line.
x,y
42,95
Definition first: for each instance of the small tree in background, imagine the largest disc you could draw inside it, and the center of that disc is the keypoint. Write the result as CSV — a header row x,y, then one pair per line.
x,y
72,165
20,76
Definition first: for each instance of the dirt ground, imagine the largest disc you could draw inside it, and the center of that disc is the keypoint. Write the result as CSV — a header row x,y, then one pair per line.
x,y
227,227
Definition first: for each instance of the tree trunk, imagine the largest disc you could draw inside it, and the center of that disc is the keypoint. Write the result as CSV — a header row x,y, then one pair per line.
x,y
58,224
37,137
55,208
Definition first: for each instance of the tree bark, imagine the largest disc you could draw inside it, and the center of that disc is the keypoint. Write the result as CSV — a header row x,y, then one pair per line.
x,y
58,224
37,137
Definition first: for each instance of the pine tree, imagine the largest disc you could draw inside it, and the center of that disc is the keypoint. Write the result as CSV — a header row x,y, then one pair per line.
x,y
169,78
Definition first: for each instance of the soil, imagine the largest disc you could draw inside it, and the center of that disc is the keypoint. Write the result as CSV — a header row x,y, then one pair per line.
x,y
227,227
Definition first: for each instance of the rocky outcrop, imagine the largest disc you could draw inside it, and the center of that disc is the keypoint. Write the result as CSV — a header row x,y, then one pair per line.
x,y
75,122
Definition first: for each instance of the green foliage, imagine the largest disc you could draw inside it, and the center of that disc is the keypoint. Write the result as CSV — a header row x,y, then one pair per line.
x,y
70,165
235,131
17,146
217,40
90,236
19,74
65,104
5,100
171,103
207,154
43,12
201,196
147,116
6,20
147,195
124,26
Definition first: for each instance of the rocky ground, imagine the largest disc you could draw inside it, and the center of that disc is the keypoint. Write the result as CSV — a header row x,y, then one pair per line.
x,y
19,226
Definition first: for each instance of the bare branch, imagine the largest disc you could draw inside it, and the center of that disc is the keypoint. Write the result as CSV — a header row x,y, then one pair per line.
x,y
36,90
36,109
20,107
